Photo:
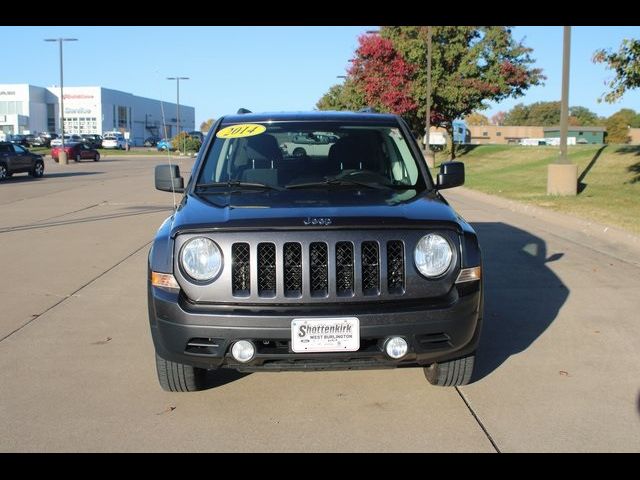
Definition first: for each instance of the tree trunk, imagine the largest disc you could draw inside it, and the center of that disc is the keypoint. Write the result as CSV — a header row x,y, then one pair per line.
x,y
453,143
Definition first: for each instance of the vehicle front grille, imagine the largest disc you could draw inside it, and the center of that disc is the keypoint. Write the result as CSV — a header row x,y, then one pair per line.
x,y
240,260
318,269
266,270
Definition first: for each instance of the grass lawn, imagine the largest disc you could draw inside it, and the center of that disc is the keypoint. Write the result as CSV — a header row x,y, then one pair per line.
x,y
609,179
112,152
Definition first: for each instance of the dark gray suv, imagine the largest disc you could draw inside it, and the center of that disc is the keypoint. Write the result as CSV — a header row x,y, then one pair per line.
x,y
17,159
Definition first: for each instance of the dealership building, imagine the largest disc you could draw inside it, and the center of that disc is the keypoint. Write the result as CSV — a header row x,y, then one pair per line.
x,y
27,108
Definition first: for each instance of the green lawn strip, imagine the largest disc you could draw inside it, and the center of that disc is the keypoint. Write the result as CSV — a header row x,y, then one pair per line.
x,y
610,196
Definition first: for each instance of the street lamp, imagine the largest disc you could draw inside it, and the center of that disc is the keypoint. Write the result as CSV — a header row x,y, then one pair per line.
x,y
177,79
62,156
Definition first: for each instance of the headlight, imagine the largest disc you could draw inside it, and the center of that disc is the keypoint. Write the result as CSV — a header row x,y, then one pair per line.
x,y
201,259
433,255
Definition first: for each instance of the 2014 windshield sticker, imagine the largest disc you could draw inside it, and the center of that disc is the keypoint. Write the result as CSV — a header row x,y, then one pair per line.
x,y
242,130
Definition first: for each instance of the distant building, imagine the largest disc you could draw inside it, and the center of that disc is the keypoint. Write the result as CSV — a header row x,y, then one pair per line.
x,y
503,134
27,108
584,135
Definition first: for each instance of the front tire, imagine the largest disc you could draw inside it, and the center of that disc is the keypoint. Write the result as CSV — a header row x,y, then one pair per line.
x,y
177,377
78,158
4,173
96,158
38,170
453,373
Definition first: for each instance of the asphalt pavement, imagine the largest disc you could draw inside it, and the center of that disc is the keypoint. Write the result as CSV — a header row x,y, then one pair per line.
x,y
558,367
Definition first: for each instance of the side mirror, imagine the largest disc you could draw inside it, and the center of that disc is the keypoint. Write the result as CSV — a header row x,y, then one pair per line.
x,y
168,178
451,175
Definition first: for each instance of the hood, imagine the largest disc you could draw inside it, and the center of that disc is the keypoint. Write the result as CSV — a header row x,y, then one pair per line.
x,y
312,208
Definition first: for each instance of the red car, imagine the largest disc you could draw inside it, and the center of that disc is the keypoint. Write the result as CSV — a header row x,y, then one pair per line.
x,y
77,152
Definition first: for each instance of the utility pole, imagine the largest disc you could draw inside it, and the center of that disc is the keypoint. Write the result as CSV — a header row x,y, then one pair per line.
x,y
62,155
562,175
428,154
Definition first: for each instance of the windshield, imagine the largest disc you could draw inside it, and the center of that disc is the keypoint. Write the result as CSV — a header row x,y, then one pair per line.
x,y
311,155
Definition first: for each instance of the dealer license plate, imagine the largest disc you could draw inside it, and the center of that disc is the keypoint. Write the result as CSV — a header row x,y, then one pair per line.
x,y
325,334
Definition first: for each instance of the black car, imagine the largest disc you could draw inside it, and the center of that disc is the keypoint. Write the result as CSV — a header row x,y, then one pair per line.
x,y
344,258
19,139
17,159
151,141
92,140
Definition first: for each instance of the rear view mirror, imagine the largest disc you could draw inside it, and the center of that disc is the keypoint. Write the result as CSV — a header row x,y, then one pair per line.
x,y
451,175
168,178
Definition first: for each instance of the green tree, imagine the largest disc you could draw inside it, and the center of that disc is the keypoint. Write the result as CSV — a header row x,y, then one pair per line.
x,y
471,65
626,65
518,115
344,96
476,118
584,116
206,125
184,143
635,122
618,125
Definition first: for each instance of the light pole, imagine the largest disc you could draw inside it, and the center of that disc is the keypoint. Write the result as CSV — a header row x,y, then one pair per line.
x,y
62,156
177,79
562,175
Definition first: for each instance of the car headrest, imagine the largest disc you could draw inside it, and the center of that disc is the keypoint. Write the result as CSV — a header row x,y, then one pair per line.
x,y
263,149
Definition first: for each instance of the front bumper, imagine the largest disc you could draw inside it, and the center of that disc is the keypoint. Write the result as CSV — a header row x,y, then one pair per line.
x,y
202,336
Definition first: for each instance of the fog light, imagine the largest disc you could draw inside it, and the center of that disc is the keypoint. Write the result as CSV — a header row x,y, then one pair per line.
x,y
396,347
243,351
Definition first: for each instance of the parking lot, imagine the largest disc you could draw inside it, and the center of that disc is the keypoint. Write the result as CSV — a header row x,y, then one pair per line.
x,y
558,367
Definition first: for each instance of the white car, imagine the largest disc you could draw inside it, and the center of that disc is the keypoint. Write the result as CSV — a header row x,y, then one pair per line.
x,y
114,140
68,138
317,143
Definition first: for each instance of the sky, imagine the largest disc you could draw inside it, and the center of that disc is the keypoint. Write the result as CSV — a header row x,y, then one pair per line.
x,y
268,68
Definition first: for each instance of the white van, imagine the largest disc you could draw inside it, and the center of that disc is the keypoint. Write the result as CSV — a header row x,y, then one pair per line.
x,y
113,140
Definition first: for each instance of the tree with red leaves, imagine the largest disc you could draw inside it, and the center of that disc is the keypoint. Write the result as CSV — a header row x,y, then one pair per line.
x,y
383,75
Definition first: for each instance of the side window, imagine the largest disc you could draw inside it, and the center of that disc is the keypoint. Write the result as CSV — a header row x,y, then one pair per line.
x,y
5,148
18,149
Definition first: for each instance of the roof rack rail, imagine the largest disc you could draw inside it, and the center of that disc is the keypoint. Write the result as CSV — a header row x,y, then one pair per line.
x,y
243,110
368,110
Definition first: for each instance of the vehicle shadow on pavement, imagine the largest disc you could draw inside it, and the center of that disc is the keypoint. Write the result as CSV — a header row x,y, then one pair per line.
x,y
222,376
522,294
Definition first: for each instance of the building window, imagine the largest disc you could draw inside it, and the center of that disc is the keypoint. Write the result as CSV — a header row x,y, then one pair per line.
x,y
498,134
485,134
123,118
580,133
51,117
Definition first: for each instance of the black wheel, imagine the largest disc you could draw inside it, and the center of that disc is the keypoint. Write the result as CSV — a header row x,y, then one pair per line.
x,y
299,152
177,377
4,173
38,169
96,158
78,158
453,373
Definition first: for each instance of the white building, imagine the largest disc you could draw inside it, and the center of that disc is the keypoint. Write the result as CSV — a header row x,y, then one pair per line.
x,y
26,108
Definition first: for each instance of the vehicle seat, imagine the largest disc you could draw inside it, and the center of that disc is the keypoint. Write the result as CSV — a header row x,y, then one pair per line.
x,y
263,156
358,151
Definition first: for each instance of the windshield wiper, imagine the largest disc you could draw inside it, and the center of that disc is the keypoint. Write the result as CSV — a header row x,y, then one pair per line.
x,y
237,183
331,181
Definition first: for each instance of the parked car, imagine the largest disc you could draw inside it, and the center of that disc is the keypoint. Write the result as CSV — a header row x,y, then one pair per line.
x,y
76,151
151,141
68,138
19,139
164,144
114,140
309,143
92,140
348,259
44,139
15,158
